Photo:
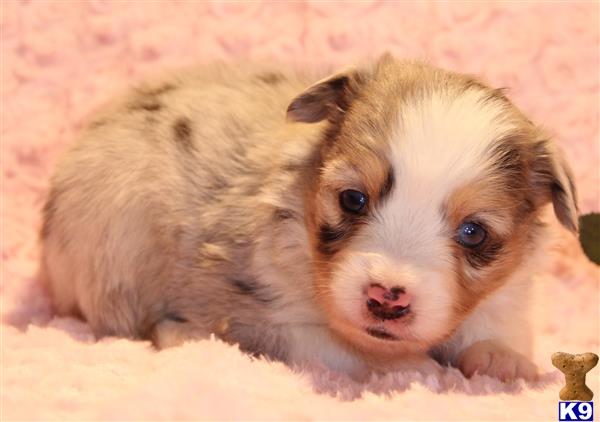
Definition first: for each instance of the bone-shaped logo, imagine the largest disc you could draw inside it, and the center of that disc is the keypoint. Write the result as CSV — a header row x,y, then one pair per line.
x,y
575,367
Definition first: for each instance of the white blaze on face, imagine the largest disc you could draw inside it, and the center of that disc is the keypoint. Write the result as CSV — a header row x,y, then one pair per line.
x,y
439,146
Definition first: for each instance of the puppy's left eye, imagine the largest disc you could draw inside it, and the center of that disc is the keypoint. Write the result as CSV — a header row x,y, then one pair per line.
x,y
471,235
353,201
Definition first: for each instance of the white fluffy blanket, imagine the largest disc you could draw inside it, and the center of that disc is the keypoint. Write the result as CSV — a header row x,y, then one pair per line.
x,y
60,59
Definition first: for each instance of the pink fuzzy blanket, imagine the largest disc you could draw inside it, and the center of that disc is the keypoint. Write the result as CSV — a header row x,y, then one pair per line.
x,y
60,59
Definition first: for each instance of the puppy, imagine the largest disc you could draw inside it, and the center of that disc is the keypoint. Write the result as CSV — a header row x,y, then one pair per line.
x,y
359,222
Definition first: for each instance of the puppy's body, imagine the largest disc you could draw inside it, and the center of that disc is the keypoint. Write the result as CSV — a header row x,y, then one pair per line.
x,y
180,206
194,206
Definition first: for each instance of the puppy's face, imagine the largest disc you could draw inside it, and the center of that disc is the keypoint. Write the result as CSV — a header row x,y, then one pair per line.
x,y
424,201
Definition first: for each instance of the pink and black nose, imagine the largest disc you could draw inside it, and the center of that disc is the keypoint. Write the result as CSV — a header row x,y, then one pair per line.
x,y
387,303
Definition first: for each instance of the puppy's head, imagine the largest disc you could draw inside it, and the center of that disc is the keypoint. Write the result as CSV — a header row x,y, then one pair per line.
x,y
425,199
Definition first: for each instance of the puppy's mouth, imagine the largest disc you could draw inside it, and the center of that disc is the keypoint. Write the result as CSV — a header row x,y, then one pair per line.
x,y
381,333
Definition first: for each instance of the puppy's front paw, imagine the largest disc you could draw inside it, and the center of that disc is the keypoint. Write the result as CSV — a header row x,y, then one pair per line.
x,y
493,359
422,364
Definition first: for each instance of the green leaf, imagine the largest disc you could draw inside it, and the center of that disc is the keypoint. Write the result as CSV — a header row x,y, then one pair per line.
x,y
589,236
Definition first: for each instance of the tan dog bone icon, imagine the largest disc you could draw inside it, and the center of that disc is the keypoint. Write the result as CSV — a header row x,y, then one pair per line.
x,y
575,367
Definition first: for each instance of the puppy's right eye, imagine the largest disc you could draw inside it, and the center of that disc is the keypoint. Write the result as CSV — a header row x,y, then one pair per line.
x,y
471,235
353,201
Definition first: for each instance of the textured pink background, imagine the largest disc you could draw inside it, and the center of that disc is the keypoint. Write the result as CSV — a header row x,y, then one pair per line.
x,y
63,58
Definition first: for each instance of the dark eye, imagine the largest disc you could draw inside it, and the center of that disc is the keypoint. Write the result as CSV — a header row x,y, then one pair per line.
x,y
471,235
353,201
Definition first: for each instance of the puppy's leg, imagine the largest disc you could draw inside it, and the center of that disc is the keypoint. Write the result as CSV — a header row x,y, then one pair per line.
x,y
490,357
313,345
495,339
420,363
174,331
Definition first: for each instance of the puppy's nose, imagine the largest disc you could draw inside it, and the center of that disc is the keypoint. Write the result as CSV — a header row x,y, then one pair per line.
x,y
387,303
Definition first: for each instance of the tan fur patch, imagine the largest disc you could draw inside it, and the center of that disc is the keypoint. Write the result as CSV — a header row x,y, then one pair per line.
x,y
503,202
211,254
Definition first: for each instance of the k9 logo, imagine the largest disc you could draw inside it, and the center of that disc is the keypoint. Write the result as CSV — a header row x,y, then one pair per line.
x,y
575,410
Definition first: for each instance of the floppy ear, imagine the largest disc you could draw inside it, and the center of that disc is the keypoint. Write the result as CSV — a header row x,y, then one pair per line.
x,y
327,99
552,175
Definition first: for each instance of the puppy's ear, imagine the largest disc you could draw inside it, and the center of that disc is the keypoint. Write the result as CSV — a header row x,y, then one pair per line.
x,y
328,98
552,176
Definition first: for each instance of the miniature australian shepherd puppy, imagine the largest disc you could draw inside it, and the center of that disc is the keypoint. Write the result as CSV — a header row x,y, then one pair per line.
x,y
368,221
